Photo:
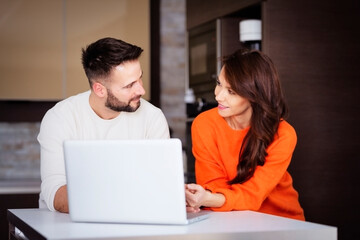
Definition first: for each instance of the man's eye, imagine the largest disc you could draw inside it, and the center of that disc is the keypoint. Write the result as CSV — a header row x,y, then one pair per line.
x,y
129,86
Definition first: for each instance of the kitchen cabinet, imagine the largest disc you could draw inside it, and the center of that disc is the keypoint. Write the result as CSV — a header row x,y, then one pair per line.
x,y
41,43
31,50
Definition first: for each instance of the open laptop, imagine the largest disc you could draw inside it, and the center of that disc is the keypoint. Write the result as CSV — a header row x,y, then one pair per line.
x,y
127,181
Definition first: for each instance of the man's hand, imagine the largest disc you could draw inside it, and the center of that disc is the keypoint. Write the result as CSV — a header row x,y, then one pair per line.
x,y
61,200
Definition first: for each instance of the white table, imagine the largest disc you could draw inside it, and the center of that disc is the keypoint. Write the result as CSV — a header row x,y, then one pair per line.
x,y
43,224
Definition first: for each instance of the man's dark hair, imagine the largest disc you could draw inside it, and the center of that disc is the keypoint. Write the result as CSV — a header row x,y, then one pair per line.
x,y
100,57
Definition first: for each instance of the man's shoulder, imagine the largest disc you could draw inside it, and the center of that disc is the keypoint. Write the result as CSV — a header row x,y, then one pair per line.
x,y
146,106
73,101
72,104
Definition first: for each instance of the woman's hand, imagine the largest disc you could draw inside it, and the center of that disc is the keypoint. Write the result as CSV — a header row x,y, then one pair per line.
x,y
196,196
192,209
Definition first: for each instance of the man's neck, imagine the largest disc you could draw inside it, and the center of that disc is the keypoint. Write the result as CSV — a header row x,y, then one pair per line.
x,y
98,106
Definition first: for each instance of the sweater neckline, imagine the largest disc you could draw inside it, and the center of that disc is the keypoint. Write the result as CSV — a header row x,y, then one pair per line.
x,y
227,127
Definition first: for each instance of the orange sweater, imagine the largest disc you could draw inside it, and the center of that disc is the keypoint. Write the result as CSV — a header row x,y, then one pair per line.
x,y
216,149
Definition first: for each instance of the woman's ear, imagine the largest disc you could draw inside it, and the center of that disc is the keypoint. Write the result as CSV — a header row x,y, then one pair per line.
x,y
99,89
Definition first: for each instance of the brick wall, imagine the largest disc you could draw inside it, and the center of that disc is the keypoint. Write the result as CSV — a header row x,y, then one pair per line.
x,y
19,151
172,64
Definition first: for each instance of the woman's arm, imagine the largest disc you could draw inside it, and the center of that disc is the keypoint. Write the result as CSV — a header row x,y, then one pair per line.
x,y
197,196
213,169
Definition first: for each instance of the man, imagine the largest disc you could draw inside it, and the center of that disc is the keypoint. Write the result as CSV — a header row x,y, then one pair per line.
x,y
111,109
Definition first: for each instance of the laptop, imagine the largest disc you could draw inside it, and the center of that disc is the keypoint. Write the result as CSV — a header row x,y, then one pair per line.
x,y
127,181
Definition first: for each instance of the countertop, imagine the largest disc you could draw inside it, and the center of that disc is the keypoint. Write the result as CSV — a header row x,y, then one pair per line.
x,y
20,186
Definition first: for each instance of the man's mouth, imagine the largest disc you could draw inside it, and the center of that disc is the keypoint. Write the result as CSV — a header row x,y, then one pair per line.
x,y
135,99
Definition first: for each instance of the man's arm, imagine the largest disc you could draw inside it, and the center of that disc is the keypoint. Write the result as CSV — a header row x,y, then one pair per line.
x,y
53,131
61,203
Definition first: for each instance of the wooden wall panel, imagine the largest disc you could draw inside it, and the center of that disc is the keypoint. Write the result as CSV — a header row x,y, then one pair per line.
x,y
41,43
31,49
315,46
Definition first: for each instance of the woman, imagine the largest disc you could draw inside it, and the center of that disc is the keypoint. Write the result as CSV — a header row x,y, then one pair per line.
x,y
244,146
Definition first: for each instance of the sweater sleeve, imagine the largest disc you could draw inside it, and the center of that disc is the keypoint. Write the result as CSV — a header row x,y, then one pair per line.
x,y
213,175
209,171
52,133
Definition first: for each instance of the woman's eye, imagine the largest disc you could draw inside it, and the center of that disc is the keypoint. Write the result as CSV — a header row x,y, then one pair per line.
x,y
218,82
231,92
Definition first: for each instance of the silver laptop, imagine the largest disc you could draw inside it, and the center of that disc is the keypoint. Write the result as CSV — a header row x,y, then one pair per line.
x,y
127,181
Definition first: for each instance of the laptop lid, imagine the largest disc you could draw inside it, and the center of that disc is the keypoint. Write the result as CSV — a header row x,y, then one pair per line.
x,y
126,181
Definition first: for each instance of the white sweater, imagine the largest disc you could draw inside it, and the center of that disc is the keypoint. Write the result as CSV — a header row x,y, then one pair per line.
x,y
73,118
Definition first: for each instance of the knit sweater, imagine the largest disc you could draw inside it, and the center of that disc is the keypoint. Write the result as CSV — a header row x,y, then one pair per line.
x,y
216,148
73,118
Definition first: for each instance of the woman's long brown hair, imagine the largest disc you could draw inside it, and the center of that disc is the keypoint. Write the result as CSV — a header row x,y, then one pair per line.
x,y
252,75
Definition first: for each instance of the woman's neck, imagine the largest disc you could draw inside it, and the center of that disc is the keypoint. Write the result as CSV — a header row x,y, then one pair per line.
x,y
241,121
237,124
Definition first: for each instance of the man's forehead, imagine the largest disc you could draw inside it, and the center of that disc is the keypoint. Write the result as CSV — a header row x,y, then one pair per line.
x,y
129,65
126,73
120,67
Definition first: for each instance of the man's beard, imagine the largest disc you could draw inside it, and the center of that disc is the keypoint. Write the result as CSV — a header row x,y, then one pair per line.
x,y
114,104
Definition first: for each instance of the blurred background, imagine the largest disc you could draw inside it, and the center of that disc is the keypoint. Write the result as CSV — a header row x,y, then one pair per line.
x,y
314,45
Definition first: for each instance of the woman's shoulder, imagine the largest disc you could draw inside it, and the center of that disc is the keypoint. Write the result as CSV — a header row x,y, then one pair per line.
x,y
211,113
286,128
207,117
286,134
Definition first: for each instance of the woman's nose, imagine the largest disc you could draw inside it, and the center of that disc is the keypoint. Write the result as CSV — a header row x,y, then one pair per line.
x,y
218,95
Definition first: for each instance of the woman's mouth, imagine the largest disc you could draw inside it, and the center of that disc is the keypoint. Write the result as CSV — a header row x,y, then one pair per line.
x,y
222,107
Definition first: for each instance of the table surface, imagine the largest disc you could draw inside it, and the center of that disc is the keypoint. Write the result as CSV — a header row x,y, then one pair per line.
x,y
219,225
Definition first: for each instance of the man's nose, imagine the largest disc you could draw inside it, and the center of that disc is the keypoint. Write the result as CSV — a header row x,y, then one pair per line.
x,y
139,89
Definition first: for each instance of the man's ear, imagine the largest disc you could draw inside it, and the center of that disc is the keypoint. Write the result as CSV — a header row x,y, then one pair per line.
x,y
99,89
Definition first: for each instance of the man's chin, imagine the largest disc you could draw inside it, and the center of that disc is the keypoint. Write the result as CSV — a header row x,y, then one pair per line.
x,y
135,105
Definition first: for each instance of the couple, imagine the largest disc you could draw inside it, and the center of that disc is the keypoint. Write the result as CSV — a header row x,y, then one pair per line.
x,y
242,148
